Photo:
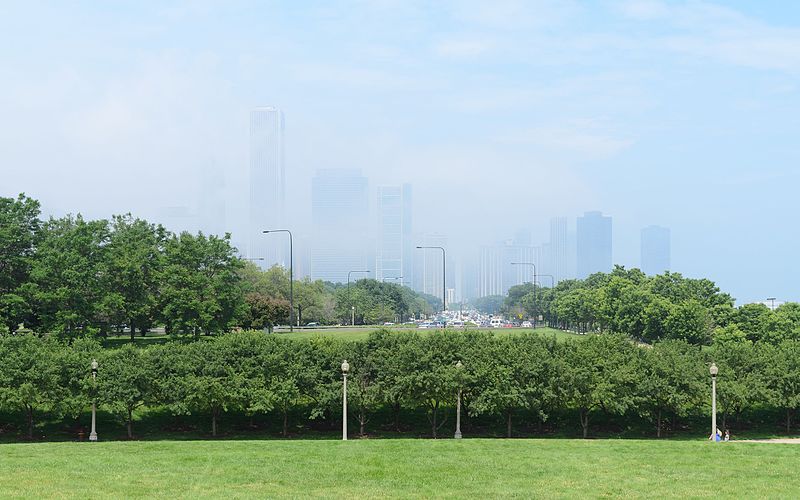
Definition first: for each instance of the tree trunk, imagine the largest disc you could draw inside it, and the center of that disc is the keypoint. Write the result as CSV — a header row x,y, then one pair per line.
x,y
396,412
130,424
362,421
585,423
285,423
133,331
30,423
508,423
214,422
435,414
788,420
658,428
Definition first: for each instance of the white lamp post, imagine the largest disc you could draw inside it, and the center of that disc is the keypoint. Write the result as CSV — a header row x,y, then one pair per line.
x,y
93,434
457,435
345,369
713,370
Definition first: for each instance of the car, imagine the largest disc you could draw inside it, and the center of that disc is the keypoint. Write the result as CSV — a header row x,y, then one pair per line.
x,y
312,324
527,324
388,323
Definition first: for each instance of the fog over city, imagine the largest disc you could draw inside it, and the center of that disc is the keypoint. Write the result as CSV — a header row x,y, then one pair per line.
x,y
500,115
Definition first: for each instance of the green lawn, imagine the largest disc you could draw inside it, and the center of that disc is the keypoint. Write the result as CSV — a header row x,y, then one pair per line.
x,y
472,468
361,333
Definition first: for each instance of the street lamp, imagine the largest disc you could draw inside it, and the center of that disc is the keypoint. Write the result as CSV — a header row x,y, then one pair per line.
x,y
535,312
352,306
345,369
459,368
291,278
93,434
444,275
713,370
772,303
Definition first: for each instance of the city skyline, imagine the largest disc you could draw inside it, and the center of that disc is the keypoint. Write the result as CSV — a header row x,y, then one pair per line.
x,y
502,115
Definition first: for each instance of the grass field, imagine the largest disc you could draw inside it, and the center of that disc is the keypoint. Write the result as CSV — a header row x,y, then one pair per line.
x,y
344,332
400,468
361,333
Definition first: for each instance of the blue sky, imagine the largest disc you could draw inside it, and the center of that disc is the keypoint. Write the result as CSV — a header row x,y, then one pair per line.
x,y
683,114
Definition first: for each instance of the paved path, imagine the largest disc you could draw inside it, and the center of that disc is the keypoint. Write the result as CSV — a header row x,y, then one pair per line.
x,y
780,440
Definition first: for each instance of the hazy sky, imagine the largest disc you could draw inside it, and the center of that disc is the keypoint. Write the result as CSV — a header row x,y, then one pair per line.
x,y
502,114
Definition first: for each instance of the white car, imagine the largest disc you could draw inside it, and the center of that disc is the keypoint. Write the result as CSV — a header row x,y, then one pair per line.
x,y
527,324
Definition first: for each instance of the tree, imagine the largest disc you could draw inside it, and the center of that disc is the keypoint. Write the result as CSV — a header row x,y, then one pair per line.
x,y
741,383
67,275
132,264
491,304
264,312
672,380
433,377
600,374
689,321
782,377
125,382
30,376
19,233
201,287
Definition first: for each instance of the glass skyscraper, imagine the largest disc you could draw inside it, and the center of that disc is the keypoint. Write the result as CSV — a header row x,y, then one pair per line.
x,y
340,220
655,250
594,244
394,256
267,186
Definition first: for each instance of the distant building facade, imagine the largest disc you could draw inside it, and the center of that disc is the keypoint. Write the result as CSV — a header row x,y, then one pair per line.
x,y
593,244
394,255
340,224
267,186
655,250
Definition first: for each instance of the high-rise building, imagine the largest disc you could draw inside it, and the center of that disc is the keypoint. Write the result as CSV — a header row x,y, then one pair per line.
x,y
655,250
497,273
212,201
267,186
594,244
340,221
394,257
428,265
558,250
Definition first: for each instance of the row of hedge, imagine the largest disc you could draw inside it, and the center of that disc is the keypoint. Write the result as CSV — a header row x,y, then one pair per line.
x,y
504,377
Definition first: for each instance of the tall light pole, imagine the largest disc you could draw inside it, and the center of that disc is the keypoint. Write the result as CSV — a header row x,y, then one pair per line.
x,y
93,434
459,368
536,311
444,275
713,370
345,369
352,306
772,303
291,277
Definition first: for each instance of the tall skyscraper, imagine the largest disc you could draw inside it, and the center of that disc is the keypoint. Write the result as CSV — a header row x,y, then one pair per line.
x,y
594,244
655,250
428,266
394,256
340,220
558,262
267,186
497,273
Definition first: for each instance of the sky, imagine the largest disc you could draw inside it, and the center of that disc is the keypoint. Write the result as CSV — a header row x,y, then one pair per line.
x,y
502,114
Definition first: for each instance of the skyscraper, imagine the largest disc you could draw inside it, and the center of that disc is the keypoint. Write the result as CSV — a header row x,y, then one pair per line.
x,y
558,262
497,273
594,244
394,256
655,250
340,220
267,185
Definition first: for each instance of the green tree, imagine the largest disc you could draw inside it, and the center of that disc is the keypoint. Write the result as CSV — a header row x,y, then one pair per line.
x,y
30,376
125,382
19,233
782,377
201,287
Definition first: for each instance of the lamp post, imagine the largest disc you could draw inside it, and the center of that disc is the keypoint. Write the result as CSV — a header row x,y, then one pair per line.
x,y
345,369
772,303
352,306
93,434
459,368
444,275
291,278
536,312
713,370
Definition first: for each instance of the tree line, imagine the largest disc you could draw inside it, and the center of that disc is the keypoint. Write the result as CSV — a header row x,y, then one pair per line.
x,y
649,309
506,378
82,278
